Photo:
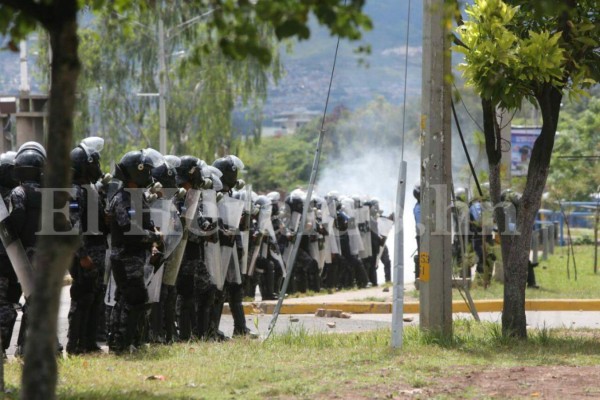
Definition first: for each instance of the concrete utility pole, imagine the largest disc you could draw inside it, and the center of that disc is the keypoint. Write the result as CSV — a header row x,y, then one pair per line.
x,y
24,87
436,249
162,89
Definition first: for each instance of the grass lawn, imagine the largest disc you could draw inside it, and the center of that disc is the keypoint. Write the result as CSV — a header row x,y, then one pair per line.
x,y
555,280
355,366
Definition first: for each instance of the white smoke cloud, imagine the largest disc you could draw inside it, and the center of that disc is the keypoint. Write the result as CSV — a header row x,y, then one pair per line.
x,y
374,173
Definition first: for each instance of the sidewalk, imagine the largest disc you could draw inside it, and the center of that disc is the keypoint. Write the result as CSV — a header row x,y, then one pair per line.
x,y
377,301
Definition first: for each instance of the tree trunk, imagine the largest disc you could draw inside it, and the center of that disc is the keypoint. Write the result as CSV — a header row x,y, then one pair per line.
x,y
513,315
493,147
54,254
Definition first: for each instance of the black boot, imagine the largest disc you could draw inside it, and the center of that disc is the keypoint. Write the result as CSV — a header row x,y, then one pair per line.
x,y
186,314
216,310
239,320
205,302
169,313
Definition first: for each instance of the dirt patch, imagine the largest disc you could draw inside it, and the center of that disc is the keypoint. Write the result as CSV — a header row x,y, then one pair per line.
x,y
543,382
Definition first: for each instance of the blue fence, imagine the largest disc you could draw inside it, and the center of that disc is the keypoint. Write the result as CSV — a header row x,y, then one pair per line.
x,y
580,214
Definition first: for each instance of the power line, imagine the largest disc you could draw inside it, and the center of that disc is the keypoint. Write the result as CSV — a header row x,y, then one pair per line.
x,y
311,183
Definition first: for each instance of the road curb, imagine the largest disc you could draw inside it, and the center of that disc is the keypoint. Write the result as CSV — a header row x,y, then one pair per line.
x,y
413,307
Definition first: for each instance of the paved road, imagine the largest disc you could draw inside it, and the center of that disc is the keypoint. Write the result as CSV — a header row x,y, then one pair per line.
x,y
357,322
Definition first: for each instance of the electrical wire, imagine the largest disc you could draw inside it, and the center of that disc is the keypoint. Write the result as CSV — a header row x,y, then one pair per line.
x,y
313,176
464,145
477,123
466,109
405,80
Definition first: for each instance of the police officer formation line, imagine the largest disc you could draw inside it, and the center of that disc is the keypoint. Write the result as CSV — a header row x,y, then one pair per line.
x,y
166,240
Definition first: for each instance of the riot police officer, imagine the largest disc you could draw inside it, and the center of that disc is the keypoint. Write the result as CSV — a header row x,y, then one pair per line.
x,y
162,315
87,269
26,204
417,215
10,290
133,238
461,222
193,281
230,166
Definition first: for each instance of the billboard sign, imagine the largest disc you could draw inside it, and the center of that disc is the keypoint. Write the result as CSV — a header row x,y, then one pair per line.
x,y
522,140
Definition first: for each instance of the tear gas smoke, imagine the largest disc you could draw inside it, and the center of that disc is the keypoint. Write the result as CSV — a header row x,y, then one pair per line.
x,y
374,173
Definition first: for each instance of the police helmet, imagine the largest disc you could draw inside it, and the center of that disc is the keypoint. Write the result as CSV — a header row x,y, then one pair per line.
x,y
229,167
85,159
274,197
485,190
190,171
136,167
461,194
7,165
166,172
263,201
295,200
374,206
417,192
212,177
29,162
510,195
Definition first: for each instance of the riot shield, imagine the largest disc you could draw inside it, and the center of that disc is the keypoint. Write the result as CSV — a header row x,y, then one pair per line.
x,y
112,188
111,289
313,238
293,223
325,239
276,255
163,213
16,253
230,214
356,244
189,212
255,254
245,233
384,227
154,284
265,231
363,218
173,263
210,234
329,215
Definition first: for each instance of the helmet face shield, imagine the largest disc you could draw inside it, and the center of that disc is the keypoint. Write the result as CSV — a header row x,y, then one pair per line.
x,y
209,171
152,158
8,158
91,145
217,184
237,163
274,196
173,161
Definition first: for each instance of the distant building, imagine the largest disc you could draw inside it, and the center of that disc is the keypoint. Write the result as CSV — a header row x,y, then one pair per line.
x,y
288,122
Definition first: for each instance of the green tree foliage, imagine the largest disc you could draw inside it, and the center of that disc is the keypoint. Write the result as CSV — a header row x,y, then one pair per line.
x,y
234,29
279,163
204,85
284,163
572,178
536,51
498,61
